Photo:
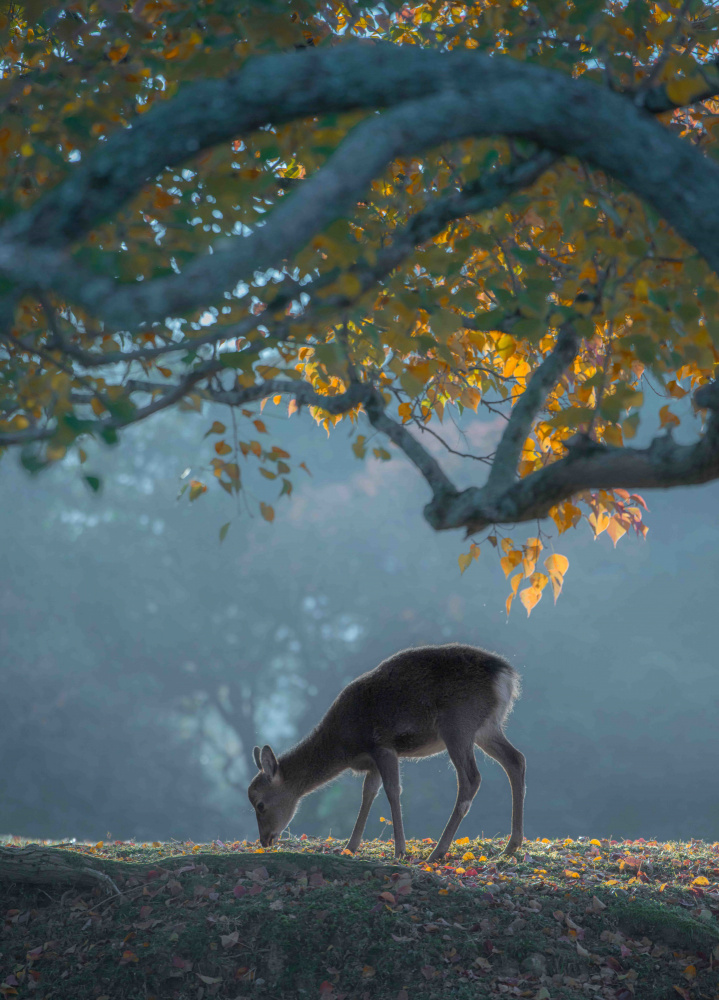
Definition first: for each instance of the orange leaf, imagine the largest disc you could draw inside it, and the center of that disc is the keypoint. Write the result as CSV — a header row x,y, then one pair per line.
x,y
162,199
222,448
196,489
668,419
267,512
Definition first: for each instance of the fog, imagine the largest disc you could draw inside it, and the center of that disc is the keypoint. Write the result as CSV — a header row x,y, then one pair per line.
x,y
142,659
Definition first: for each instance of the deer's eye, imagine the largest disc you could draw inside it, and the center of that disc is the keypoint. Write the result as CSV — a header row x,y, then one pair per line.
x,y
260,807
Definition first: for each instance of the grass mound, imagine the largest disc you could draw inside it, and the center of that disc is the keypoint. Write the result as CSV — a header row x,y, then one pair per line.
x,y
231,921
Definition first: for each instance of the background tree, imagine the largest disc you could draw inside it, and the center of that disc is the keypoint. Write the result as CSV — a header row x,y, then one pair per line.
x,y
123,623
379,213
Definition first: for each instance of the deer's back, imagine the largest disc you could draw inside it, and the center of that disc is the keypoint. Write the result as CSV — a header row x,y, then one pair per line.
x,y
401,703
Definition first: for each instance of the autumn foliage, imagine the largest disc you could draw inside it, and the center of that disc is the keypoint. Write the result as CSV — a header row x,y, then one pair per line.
x,y
331,206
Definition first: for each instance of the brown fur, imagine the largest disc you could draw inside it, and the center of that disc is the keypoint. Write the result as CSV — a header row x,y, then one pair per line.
x,y
417,703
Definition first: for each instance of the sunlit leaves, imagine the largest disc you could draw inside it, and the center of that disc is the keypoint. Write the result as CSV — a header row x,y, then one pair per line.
x,y
465,560
556,565
464,309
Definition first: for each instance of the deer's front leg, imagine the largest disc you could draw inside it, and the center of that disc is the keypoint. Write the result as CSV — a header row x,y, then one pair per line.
x,y
370,788
387,763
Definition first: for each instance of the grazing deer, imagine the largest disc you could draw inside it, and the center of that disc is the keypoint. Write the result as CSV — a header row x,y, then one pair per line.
x,y
417,703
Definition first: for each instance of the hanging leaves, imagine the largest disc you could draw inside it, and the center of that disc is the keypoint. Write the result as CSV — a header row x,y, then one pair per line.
x,y
446,287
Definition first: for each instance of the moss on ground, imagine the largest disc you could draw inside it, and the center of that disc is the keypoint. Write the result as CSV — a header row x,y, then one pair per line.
x,y
314,923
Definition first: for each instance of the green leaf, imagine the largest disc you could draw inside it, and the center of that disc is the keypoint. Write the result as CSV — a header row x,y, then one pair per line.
x,y
94,482
223,531
109,435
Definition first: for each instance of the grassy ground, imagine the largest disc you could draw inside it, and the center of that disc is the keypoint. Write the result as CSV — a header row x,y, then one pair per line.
x,y
565,919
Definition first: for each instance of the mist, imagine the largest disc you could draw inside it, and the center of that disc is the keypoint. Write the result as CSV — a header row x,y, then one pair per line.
x,y
142,659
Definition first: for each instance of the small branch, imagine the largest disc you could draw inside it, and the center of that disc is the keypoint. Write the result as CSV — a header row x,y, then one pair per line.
x,y
440,484
543,380
589,465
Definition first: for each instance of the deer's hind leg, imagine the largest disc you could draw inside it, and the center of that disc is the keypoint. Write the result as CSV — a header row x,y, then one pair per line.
x,y
495,744
458,736
370,788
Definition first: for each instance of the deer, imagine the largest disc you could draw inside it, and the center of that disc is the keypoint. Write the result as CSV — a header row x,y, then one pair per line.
x,y
417,703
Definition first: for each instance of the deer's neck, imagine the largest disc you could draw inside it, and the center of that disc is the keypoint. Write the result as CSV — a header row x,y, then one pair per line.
x,y
316,760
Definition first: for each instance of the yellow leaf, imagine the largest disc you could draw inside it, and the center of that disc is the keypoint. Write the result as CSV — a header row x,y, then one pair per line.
x,y
531,554
615,530
468,856
461,841
529,597
348,284
539,581
557,563
700,880
599,523
690,971
464,560
509,561
681,91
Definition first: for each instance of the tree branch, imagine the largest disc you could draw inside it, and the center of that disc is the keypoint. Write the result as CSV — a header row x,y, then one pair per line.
x,y
506,459
460,94
589,466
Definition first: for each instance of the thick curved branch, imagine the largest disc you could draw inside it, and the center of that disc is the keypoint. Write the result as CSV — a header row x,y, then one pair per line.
x,y
270,89
460,94
483,194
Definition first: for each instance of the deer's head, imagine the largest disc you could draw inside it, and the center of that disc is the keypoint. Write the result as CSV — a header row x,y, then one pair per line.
x,y
272,799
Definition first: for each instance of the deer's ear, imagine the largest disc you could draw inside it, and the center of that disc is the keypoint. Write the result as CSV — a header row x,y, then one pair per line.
x,y
256,758
268,761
